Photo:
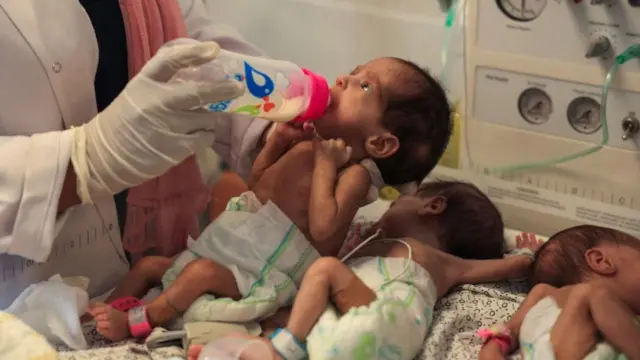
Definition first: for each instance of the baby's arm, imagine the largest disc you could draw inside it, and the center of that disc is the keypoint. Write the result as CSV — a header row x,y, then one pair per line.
x,y
491,350
485,271
464,271
274,148
590,307
334,200
278,143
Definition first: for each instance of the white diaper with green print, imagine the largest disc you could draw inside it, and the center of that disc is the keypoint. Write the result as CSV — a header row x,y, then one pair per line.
x,y
265,251
394,326
535,341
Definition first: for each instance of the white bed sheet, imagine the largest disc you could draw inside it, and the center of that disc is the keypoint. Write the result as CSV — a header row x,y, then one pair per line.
x,y
456,318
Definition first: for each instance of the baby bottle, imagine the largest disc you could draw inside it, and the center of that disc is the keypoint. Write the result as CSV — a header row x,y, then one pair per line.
x,y
231,348
275,90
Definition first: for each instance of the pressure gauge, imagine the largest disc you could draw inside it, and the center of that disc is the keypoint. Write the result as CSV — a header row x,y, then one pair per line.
x,y
522,10
584,115
535,106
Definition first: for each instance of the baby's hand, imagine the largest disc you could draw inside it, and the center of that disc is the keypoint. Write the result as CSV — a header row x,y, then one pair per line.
x,y
289,133
334,150
528,241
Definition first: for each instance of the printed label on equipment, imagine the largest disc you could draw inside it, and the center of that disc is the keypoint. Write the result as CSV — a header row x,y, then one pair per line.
x,y
552,203
528,195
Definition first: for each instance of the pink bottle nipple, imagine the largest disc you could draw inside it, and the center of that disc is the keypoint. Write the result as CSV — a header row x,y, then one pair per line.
x,y
318,98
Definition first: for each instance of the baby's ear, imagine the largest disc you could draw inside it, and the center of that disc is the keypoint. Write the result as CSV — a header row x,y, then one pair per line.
x,y
382,146
434,205
600,262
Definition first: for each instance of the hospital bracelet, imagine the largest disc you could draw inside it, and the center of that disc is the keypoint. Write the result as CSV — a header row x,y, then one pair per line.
x,y
287,346
139,325
499,334
523,252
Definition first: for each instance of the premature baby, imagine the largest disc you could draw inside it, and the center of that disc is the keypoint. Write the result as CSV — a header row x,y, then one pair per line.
x,y
389,119
587,291
385,292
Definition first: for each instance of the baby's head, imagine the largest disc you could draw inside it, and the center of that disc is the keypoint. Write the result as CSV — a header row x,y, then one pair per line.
x,y
466,223
394,112
585,253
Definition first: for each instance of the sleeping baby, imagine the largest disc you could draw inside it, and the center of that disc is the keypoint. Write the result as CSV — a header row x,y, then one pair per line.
x,y
385,290
393,122
584,304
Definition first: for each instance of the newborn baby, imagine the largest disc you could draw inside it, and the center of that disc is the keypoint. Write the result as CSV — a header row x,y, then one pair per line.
x,y
587,291
389,122
384,293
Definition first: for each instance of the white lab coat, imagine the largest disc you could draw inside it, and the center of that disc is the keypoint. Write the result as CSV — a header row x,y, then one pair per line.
x,y
47,65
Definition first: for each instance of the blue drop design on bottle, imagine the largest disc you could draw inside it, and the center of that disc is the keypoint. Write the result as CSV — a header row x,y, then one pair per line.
x,y
259,91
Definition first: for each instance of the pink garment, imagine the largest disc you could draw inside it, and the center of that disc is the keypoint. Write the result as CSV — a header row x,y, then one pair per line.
x,y
162,212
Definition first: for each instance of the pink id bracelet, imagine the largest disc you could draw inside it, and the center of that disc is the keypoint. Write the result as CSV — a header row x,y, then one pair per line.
x,y
499,334
126,303
139,325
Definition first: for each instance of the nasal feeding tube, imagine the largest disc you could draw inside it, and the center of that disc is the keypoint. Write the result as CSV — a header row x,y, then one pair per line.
x,y
633,51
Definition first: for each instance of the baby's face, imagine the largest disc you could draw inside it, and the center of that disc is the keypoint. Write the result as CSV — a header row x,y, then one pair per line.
x,y
358,100
405,209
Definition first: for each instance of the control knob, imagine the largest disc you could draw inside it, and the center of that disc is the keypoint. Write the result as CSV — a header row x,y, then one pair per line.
x,y
599,46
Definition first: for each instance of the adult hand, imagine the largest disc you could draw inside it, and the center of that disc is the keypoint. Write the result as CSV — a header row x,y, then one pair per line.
x,y
153,125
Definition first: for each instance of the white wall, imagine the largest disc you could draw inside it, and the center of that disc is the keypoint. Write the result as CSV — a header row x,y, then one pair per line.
x,y
333,36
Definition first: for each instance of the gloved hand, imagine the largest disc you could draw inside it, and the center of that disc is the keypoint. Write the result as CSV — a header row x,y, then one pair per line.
x,y
153,125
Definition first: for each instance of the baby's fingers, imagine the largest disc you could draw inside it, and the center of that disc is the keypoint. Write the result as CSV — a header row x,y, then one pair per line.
x,y
519,240
526,239
348,152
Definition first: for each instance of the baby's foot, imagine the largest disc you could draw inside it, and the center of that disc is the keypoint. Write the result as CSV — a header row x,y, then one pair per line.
x,y
194,350
110,323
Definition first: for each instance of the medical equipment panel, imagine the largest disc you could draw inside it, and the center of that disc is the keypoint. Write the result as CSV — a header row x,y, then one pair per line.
x,y
534,77
584,32
549,106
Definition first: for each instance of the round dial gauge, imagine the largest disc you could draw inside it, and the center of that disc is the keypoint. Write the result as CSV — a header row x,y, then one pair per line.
x,y
535,106
584,115
522,10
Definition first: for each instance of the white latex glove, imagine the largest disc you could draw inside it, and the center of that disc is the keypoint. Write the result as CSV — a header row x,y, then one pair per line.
x,y
153,125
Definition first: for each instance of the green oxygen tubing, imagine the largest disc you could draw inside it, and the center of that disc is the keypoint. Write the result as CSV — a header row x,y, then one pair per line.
x,y
631,52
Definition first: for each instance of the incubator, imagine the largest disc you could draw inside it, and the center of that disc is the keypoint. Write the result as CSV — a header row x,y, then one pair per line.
x,y
275,90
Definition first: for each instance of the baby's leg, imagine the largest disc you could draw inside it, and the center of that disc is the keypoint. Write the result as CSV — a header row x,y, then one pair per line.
x,y
326,278
276,321
146,274
591,308
198,277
